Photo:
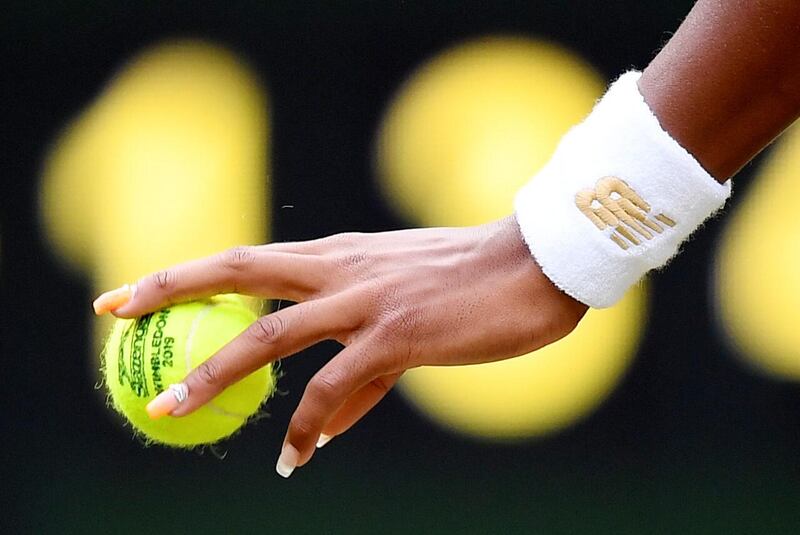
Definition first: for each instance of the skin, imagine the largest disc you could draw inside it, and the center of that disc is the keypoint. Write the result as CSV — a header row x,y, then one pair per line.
x,y
452,296
728,82
395,300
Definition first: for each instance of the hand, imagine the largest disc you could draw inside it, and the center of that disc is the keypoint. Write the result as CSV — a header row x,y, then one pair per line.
x,y
395,300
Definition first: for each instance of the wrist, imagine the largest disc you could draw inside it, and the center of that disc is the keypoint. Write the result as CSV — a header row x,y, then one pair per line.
x,y
617,199
502,247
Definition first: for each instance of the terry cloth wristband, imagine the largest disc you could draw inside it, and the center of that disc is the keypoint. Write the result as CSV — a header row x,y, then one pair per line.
x,y
616,199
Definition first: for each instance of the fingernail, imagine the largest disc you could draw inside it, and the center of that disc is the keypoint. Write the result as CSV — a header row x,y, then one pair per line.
x,y
287,461
323,439
113,299
167,401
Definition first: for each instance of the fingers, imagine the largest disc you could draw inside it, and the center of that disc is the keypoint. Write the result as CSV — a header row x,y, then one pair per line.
x,y
271,337
356,406
248,270
327,391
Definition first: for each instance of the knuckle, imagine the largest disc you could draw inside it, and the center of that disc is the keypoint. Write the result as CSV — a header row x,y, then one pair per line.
x,y
353,260
323,386
209,373
399,322
301,425
163,280
343,240
400,331
381,296
268,329
238,258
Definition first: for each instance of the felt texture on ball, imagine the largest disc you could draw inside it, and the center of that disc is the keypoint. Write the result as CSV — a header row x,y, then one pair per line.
x,y
143,356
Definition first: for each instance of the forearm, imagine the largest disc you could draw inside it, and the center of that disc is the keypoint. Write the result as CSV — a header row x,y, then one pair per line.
x,y
728,82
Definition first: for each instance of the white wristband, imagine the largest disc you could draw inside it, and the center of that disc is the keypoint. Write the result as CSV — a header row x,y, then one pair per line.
x,y
616,199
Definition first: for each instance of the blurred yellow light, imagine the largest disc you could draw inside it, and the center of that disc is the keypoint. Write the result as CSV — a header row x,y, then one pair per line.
x,y
539,392
463,134
470,127
758,265
168,164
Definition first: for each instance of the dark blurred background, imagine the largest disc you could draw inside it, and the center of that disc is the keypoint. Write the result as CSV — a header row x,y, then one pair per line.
x,y
694,438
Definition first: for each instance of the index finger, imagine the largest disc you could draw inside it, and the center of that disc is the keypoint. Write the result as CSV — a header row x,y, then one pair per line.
x,y
248,270
268,339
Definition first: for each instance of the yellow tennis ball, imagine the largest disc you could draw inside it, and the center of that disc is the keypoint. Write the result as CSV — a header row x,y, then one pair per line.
x,y
143,356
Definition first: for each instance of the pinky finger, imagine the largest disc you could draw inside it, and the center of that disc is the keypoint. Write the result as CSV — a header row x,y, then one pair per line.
x,y
345,374
356,406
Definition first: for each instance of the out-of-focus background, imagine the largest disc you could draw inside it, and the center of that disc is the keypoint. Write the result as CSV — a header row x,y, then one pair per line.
x,y
141,134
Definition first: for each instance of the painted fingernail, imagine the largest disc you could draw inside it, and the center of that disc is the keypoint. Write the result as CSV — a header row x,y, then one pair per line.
x,y
323,439
113,299
287,461
167,401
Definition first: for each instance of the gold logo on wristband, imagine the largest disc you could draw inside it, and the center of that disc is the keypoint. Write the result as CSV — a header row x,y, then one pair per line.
x,y
613,203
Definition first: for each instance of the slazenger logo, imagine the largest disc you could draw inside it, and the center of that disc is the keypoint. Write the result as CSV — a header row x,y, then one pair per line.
x,y
613,203
134,374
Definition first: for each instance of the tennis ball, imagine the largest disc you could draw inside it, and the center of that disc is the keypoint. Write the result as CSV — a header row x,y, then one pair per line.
x,y
143,356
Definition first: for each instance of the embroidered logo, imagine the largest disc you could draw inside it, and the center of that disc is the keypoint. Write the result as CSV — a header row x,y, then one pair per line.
x,y
613,203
